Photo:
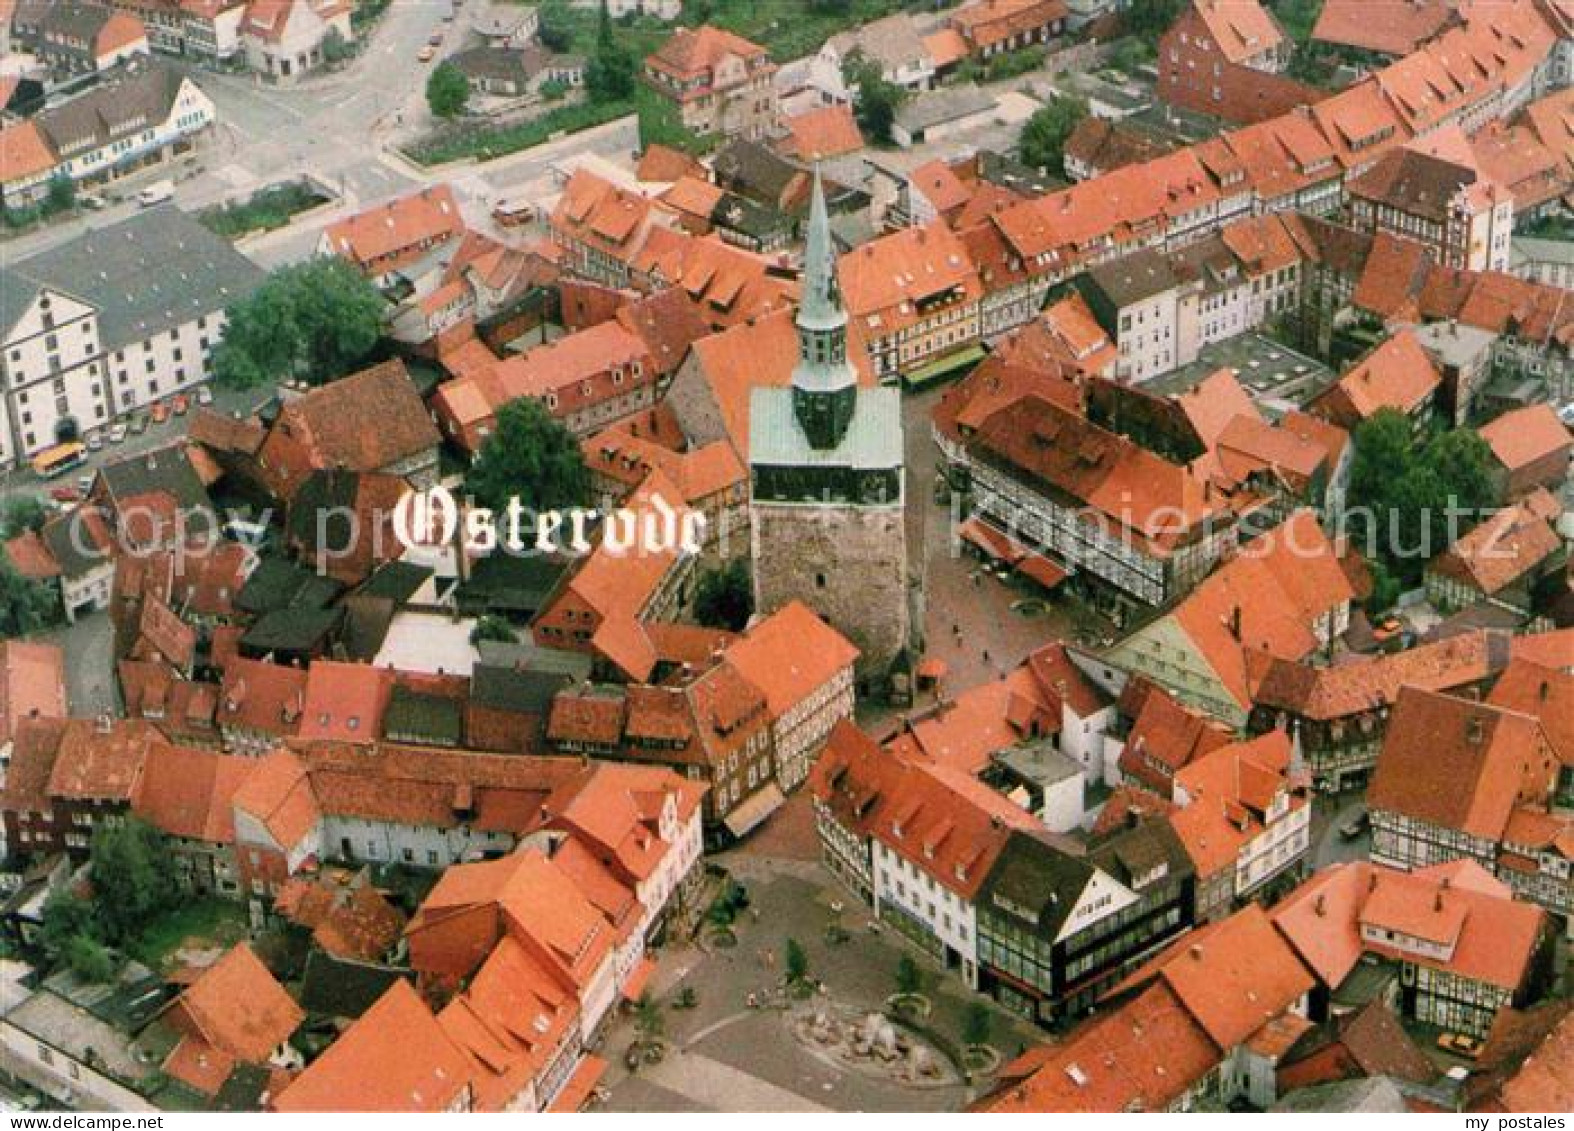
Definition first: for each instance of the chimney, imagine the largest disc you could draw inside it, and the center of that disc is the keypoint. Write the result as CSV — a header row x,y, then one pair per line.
x,y
1196,951
1320,907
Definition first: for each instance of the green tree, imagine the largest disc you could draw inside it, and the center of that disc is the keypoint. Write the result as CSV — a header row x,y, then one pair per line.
x,y
133,878
67,915
556,28
62,194
609,76
1150,19
1410,498
531,456
1043,140
797,961
493,628
724,597
316,320
976,1022
875,101
909,978
335,48
21,513
88,959
447,91
26,606
648,1019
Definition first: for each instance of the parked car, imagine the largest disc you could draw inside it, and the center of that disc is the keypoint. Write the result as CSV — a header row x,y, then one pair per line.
x,y
85,482
1388,629
65,494
204,395
156,193
180,404
1355,826
426,53
117,434
139,424
435,39
160,412
1460,1045
95,442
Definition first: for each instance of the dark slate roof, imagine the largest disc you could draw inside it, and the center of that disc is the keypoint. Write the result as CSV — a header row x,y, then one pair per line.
x,y
1133,278
291,630
740,214
430,720
336,987
504,687
1132,852
1038,876
277,584
397,581
510,583
167,470
149,273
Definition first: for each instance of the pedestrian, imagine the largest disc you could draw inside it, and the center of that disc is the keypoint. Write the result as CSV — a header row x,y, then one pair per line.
x,y
986,655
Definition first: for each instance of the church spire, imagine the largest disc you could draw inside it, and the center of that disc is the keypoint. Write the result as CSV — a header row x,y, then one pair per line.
x,y
820,307
823,382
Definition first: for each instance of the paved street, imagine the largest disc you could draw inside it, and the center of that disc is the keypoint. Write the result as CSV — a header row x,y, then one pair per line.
x,y
342,129
724,1056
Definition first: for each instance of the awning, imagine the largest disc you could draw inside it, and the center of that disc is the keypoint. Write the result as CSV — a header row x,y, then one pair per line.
x,y
579,1086
991,541
746,816
1041,570
638,978
943,367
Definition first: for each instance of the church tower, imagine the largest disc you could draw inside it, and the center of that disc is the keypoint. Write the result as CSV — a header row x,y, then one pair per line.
x,y
826,479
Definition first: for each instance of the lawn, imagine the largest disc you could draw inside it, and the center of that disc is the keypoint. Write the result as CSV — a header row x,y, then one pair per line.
x,y
205,922
486,142
789,29
266,209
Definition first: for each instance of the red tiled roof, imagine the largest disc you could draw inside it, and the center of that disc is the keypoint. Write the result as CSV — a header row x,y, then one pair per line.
x,y
393,234
345,701
190,793
237,1009
348,917
694,52
1242,29
363,422
101,760
1233,976
945,822
790,655
24,152
1459,765
1398,374
817,135
1486,935
32,683
1141,1056
278,796
1501,550
1521,437
394,1058
1390,27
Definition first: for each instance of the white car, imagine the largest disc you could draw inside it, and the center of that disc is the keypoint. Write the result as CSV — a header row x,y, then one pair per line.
x,y
117,434
204,395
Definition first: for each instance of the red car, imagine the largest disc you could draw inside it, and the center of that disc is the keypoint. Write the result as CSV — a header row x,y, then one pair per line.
x,y
181,403
160,413
65,494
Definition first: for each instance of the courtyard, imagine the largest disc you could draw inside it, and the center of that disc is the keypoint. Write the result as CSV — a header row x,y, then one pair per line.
x,y
723,1055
